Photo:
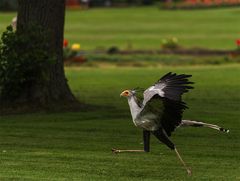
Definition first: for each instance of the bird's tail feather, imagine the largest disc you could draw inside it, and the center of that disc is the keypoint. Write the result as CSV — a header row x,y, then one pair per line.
x,y
202,124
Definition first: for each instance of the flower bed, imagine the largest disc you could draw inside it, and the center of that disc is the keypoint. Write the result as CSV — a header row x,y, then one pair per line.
x,y
73,53
182,51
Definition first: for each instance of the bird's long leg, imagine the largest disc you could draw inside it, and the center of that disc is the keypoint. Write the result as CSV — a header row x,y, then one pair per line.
x,y
162,136
202,124
146,142
122,151
183,163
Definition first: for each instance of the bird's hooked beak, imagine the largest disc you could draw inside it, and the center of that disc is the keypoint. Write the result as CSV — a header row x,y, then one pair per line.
x,y
125,93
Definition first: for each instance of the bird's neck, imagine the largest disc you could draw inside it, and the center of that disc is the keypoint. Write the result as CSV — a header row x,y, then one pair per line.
x,y
134,108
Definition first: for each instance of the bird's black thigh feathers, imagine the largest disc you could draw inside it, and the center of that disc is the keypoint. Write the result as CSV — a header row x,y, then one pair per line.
x,y
162,136
146,140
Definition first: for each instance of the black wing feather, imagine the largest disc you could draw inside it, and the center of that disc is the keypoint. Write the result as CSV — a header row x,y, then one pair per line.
x,y
172,114
175,85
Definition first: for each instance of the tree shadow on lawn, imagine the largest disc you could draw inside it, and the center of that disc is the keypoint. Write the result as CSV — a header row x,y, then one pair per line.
x,y
103,111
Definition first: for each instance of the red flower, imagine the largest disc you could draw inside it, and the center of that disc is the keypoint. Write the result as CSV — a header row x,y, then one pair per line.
x,y
65,43
238,42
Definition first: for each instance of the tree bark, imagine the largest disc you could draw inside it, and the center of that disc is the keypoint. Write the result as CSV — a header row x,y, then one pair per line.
x,y
50,15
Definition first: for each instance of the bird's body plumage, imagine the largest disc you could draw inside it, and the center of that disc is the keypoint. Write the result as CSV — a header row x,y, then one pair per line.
x,y
161,106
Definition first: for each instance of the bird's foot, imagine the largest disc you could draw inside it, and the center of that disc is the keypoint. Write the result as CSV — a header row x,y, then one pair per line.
x,y
115,151
189,171
124,151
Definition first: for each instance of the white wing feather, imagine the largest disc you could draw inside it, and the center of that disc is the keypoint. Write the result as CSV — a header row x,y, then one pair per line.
x,y
151,91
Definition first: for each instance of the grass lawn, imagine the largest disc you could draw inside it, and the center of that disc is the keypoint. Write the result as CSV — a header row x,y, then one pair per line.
x,y
145,27
76,146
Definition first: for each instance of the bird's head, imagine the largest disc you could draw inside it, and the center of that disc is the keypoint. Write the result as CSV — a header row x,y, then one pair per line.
x,y
127,93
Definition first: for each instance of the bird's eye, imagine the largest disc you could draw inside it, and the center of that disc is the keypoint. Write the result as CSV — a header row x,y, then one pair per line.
x,y
127,93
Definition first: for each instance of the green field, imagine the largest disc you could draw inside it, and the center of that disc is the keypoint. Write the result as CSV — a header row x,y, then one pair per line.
x,y
76,145
144,28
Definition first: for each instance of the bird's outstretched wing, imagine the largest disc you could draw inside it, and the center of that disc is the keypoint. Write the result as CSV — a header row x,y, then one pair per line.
x,y
164,101
170,86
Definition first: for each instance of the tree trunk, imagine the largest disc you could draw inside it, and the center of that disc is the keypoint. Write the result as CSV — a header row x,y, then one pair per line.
x,y
50,15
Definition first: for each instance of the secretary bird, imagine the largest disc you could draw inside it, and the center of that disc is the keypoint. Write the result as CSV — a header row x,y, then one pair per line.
x,y
158,111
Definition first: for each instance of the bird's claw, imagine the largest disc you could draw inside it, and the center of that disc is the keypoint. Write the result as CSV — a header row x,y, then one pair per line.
x,y
115,150
189,171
